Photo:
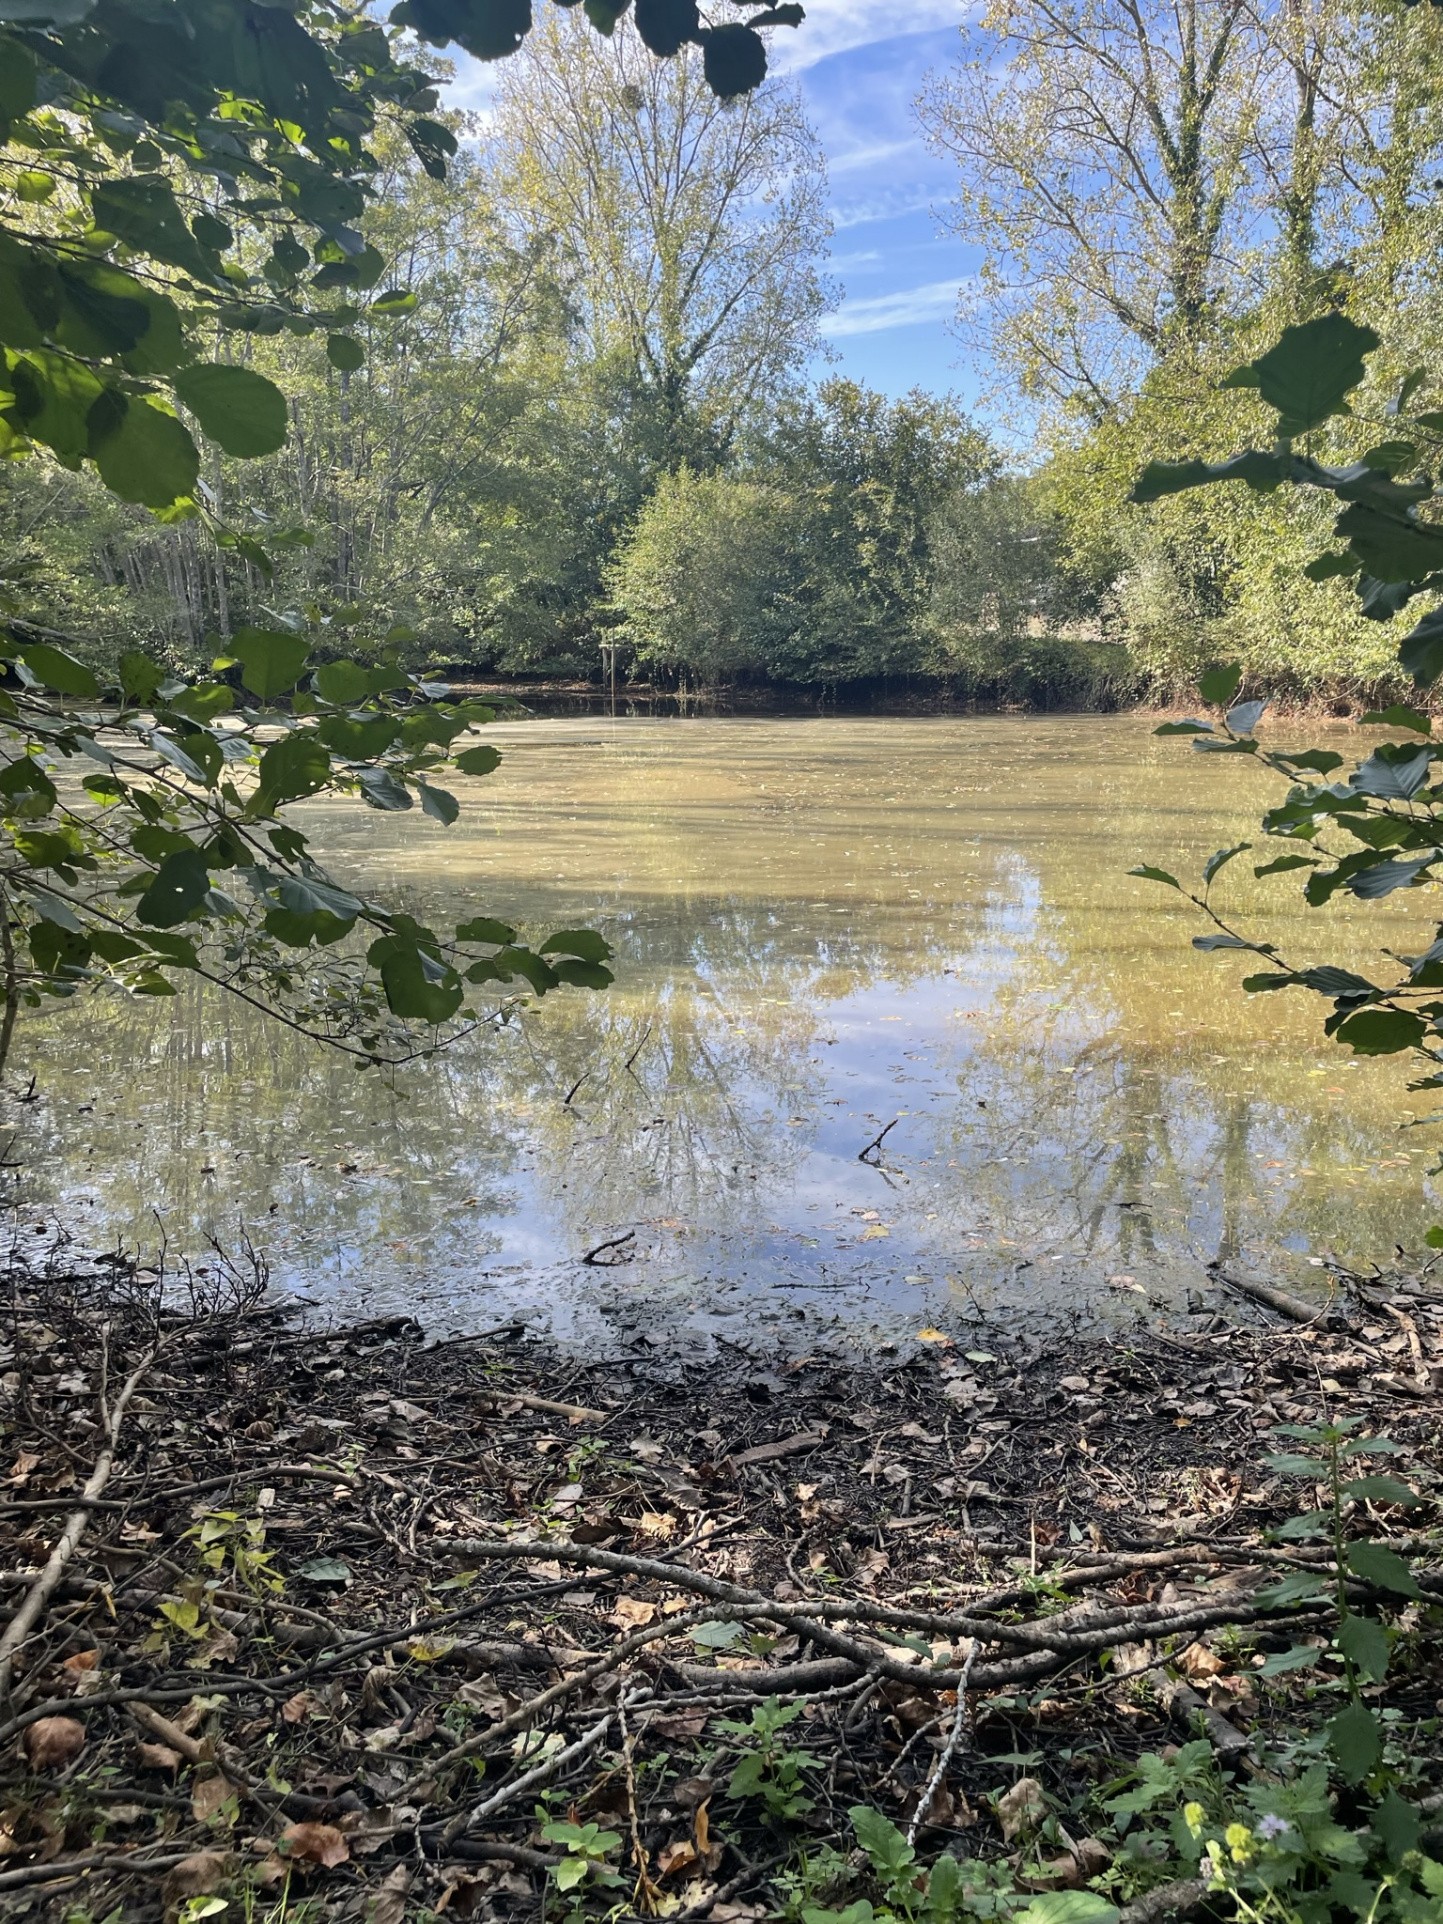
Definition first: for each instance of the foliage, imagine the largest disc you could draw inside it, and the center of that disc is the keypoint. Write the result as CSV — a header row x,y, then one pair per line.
x,y
120,873
179,184
1380,829
770,1767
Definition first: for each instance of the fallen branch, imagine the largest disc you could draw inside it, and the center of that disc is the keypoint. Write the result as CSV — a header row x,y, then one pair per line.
x,y
1295,1308
33,1605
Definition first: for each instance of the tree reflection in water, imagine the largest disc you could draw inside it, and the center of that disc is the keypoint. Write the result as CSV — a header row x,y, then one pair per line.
x,y
822,925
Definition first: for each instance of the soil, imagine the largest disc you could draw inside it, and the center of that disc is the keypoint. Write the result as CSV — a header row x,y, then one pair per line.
x,y
330,1569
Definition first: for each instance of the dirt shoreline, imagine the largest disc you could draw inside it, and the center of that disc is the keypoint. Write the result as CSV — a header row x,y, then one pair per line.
x,y
325,1562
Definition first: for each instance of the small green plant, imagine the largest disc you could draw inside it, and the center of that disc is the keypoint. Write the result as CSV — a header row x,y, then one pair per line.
x,y
771,1768
1329,1454
903,1891
1273,1848
234,1546
584,1865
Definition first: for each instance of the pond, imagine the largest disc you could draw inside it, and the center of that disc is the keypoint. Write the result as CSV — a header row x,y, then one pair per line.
x,y
823,928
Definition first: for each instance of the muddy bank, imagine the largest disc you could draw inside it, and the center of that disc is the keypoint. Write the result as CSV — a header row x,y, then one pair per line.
x,y
314,1577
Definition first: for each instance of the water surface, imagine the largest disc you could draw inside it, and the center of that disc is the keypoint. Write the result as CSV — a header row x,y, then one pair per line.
x,y
823,927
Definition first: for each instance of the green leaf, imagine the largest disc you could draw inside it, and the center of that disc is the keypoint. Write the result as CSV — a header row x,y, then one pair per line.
x,y
1382,1489
1420,652
1067,1907
489,29
1299,1587
342,683
1391,545
1219,685
1309,372
1382,1032
666,26
482,928
345,352
142,211
734,60
1282,863
296,765
380,789
438,803
1356,1741
583,975
141,675
395,300
56,669
180,885
17,81
241,410
1302,1656
1398,716
326,1570
1261,472
717,1636
1365,1643
478,761
585,943
1221,859
419,987
142,450
272,660
1399,1826
1150,874
1383,1568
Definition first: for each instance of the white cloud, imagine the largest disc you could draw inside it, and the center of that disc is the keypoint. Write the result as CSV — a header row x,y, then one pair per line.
x,y
934,301
839,26
887,205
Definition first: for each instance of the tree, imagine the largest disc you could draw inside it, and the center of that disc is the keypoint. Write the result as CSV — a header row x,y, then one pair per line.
x,y
1102,148
175,183
686,231
1380,829
706,583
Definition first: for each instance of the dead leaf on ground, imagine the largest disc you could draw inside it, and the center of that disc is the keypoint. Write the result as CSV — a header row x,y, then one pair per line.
x,y
202,1874
632,1612
295,1710
1021,1809
24,1463
679,1855
388,1906
52,1742
159,1756
1199,1663
309,1843
209,1797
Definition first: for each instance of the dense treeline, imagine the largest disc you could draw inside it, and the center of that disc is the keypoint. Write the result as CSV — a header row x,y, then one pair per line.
x,y
592,428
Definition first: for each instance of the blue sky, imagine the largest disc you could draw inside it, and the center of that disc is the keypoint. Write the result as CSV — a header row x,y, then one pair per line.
x,y
900,274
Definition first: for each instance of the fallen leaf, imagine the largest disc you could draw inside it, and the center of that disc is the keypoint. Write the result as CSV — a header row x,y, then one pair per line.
x,y
1199,1663
24,1463
930,1335
632,1612
52,1742
202,1874
388,1906
209,1797
308,1843
295,1710
159,1756
1021,1809
679,1855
